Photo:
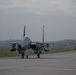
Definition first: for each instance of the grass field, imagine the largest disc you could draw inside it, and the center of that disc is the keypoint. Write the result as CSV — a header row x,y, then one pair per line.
x,y
55,49
4,51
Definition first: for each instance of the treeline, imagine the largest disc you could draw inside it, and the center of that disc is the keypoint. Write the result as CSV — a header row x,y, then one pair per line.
x,y
61,42
64,42
9,42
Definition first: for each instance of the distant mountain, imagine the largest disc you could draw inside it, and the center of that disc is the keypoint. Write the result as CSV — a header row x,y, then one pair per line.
x,y
61,42
64,42
9,42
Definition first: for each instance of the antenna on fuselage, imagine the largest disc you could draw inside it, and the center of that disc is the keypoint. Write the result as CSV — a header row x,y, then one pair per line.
x,y
43,35
24,31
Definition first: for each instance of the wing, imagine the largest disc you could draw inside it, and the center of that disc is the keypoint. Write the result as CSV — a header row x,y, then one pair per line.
x,y
39,46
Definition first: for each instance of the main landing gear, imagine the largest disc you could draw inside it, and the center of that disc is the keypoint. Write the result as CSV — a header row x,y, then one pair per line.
x,y
38,53
22,55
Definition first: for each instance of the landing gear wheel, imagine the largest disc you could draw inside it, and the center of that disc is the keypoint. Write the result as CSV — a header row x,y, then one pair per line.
x,y
27,57
38,55
22,55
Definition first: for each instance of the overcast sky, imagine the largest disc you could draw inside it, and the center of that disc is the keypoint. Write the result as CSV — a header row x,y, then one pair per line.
x,y
58,16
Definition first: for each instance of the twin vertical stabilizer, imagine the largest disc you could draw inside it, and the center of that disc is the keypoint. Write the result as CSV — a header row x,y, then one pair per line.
x,y
24,31
43,35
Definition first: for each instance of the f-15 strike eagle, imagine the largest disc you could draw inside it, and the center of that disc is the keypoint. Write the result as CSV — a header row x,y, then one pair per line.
x,y
27,44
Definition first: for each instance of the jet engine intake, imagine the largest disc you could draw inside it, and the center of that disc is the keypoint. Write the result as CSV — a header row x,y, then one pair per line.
x,y
13,48
46,47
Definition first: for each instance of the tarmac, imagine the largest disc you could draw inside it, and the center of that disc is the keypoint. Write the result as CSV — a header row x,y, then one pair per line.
x,y
63,63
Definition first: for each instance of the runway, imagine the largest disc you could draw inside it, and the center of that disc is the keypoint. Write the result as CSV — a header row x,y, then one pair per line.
x,y
63,63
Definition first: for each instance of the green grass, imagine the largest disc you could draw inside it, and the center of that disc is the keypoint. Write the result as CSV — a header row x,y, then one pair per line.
x,y
5,52
55,49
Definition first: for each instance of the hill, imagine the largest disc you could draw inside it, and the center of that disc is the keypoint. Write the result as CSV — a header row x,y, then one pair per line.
x,y
9,42
61,42
64,42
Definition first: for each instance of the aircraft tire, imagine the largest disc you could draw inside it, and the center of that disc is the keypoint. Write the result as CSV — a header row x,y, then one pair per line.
x,y
27,57
22,55
38,55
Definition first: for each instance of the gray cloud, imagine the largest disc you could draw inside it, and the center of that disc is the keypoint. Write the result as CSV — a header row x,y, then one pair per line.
x,y
58,16
40,6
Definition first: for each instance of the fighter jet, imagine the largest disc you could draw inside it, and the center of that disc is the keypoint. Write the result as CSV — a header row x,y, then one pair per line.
x,y
27,44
